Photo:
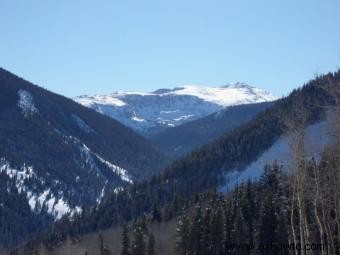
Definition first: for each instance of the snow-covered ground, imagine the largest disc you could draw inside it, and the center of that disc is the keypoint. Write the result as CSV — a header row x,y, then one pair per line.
x,y
23,176
169,108
317,136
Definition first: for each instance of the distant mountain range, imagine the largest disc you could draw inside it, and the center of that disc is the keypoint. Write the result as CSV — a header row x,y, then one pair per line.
x,y
150,113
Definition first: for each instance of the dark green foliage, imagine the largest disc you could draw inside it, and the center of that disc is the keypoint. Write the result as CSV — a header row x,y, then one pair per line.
x,y
207,231
225,220
217,232
125,241
143,242
138,244
183,235
196,232
17,222
268,222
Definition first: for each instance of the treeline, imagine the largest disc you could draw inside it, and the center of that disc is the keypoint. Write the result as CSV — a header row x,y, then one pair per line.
x,y
269,212
254,213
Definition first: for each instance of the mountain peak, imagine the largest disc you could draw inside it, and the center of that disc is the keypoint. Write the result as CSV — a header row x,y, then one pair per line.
x,y
164,108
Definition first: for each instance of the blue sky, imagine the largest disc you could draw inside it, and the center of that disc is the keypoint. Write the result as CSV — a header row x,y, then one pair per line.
x,y
88,47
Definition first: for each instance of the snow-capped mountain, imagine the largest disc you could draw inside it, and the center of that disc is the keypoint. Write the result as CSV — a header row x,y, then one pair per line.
x,y
164,108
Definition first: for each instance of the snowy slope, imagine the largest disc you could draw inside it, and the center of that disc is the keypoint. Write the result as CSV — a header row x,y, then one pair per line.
x,y
148,112
50,197
317,136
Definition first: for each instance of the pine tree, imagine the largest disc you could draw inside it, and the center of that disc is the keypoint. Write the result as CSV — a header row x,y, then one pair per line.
x,y
138,245
183,235
268,222
197,232
248,210
125,241
228,227
240,230
217,232
151,245
206,234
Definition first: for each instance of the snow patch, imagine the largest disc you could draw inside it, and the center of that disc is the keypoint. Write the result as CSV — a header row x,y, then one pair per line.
x,y
57,207
100,99
102,193
122,173
88,158
26,103
20,175
135,118
233,94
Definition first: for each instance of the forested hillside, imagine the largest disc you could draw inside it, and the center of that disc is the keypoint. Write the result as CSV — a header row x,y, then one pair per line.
x,y
256,218
61,156
183,139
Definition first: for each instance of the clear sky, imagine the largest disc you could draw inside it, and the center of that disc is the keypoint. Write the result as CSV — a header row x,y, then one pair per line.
x,y
76,47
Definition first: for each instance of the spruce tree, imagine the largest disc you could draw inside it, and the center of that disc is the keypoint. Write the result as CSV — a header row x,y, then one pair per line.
x,y
183,235
240,230
125,241
217,232
248,210
268,222
138,245
197,232
207,234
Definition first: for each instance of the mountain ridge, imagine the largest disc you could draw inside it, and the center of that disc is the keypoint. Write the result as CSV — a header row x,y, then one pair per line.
x,y
183,139
151,112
